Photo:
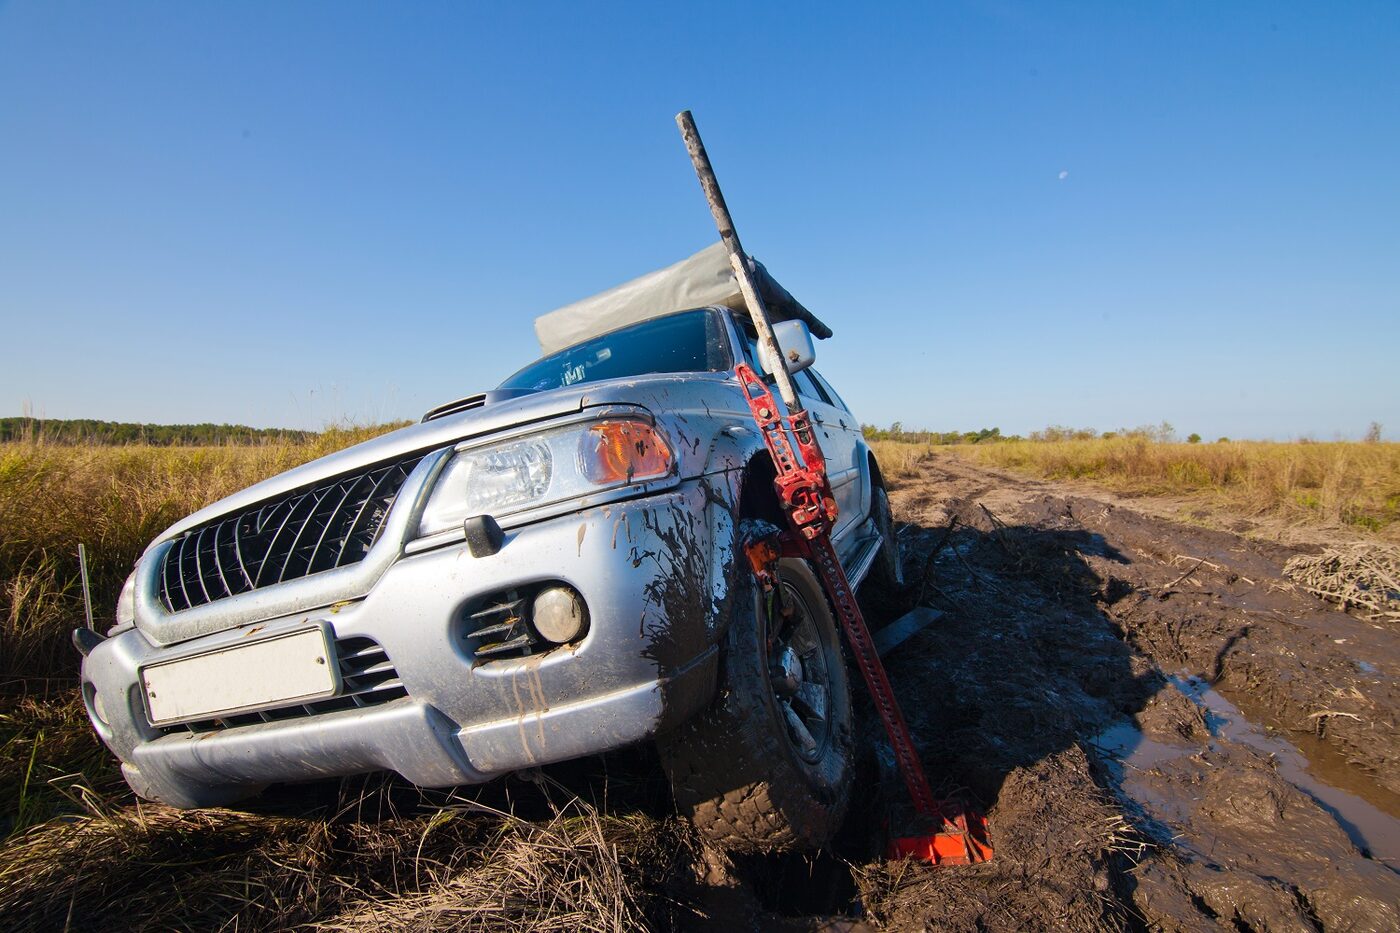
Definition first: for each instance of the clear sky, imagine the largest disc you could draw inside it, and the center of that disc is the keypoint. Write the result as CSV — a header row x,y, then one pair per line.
x,y
1012,214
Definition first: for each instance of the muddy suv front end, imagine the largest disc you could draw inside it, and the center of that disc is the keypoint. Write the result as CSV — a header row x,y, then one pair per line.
x,y
545,590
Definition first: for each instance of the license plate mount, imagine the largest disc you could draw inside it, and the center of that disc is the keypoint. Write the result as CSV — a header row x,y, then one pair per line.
x,y
243,677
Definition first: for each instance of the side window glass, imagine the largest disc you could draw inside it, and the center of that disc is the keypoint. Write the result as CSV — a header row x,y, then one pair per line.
x,y
807,388
828,391
820,387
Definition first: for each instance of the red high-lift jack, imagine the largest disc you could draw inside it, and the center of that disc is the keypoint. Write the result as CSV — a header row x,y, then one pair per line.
x,y
950,833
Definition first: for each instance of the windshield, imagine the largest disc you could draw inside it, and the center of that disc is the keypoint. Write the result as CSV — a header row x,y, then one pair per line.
x,y
692,341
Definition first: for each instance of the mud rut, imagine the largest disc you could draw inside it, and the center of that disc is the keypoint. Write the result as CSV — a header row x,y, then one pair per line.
x,y
1081,683
1127,696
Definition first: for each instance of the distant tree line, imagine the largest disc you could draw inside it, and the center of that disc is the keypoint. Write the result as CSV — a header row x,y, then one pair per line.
x,y
896,432
1163,433
88,431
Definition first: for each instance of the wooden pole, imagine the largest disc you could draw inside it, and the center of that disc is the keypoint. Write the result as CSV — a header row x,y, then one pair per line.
x,y
742,273
87,594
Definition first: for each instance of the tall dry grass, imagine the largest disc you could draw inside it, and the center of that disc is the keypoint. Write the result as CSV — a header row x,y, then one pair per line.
x,y
114,500
901,459
1356,485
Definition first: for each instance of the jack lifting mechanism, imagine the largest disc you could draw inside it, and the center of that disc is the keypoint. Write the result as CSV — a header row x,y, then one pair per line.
x,y
948,833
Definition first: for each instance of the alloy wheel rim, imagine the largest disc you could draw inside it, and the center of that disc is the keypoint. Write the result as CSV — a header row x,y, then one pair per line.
x,y
801,679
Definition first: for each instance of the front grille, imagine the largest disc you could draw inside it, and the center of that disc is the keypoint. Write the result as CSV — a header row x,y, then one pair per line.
x,y
304,532
367,678
497,628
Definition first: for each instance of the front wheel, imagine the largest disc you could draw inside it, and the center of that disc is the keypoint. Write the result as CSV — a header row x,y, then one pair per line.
x,y
768,766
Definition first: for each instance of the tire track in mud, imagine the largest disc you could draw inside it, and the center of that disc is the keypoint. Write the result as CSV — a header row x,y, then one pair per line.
x,y
1067,687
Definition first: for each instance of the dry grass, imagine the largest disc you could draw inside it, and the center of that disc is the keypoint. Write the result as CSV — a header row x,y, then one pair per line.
x,y
463,866
1355,485
47,747
900,459
114,500
1365,577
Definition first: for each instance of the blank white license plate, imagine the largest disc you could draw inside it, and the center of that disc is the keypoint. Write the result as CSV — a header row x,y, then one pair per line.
x,y
285,669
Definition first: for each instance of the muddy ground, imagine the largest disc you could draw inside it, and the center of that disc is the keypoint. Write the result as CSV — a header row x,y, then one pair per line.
x,y
1164,734
1129,695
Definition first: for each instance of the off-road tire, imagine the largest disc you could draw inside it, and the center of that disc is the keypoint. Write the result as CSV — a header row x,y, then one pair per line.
x,y
885,575
734,769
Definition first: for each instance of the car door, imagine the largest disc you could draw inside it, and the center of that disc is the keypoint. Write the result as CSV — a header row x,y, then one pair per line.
x,y
839,435
833,426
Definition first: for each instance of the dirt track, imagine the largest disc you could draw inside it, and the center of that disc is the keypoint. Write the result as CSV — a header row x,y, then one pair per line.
x,y
1122,691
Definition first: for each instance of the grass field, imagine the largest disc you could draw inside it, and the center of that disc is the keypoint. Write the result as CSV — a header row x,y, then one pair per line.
x,y
114,500
1349,484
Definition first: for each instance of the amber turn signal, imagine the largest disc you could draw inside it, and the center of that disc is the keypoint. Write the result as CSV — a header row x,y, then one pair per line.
x,y
623,452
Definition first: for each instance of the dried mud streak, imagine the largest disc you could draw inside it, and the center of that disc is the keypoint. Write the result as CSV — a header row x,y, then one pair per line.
x,y
1040,652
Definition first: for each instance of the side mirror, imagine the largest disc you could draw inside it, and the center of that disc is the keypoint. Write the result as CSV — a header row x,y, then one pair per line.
x,y
795,342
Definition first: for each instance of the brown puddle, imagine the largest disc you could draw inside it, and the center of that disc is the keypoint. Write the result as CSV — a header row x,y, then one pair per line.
x,y
1341,791
1373,830
1323,760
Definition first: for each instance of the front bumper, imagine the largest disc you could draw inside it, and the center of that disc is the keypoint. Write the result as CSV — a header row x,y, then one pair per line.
x,y
653,571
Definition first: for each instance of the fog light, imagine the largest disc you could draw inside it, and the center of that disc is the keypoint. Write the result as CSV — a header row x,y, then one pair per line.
x,y
95,704
559,614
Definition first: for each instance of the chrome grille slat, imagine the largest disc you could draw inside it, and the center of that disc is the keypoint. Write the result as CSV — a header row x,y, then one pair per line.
x,y
233,524
180,571
199,565
307,531
394,476
350,487
219,560
301,531
292,510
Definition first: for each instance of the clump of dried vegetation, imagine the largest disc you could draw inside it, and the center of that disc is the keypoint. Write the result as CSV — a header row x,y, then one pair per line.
x,y
459,866
1364,577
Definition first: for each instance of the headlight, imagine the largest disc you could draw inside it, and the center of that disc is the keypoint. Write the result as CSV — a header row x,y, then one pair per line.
x,y
126,604
544,468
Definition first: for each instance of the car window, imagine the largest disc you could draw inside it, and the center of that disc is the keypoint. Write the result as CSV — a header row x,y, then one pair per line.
x,y
808,388
829,391
692,341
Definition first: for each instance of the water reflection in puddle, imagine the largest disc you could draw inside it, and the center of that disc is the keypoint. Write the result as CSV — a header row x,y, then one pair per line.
x,y
1372,830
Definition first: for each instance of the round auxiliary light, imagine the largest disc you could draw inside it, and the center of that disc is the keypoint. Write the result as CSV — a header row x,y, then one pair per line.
x,y
95,704
559,614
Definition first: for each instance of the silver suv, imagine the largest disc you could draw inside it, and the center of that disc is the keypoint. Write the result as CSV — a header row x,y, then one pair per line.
x,y
550,570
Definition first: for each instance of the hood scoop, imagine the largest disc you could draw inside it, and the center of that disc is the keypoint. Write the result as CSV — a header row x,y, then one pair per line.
x,y
475,401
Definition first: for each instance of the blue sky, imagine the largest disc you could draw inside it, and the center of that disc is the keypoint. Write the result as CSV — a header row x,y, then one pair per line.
x,y
1011,214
